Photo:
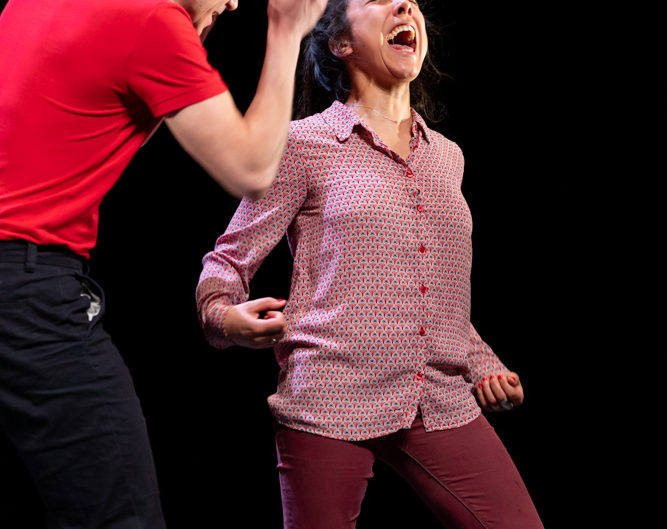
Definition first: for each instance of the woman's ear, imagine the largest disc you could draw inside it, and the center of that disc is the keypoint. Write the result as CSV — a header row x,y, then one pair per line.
x,y
340,48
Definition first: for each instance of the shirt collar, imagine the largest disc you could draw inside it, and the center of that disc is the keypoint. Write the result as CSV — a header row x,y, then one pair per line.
x,y
342,119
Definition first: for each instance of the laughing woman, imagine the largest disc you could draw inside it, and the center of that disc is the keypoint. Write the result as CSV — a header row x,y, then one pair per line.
x,y
378,357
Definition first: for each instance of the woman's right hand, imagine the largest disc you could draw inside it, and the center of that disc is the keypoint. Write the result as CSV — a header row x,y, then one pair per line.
x,y
257,323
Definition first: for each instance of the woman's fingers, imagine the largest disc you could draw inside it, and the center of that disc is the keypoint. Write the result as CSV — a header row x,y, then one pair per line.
x,y
270,329
493,393
261,306
500,392
512,387
497,388
256,323
273,322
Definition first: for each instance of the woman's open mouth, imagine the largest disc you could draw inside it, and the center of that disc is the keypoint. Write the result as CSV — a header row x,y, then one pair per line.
x,y
403,38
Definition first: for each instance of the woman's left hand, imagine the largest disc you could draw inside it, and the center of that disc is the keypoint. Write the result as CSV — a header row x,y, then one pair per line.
x,y
501,392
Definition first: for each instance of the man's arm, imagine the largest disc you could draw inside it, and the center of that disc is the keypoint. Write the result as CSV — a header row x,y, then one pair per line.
x,y
241,152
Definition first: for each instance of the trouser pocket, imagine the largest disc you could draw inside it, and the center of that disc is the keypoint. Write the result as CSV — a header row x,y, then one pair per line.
x,y
95,301
91,290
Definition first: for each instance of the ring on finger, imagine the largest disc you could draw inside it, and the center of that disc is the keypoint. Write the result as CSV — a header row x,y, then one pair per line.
x,y
506,404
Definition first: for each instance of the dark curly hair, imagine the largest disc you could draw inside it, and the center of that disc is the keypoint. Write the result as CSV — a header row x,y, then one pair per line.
x,y
323,77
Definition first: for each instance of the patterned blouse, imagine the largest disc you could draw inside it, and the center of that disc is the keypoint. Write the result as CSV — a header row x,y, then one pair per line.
x,y
378,316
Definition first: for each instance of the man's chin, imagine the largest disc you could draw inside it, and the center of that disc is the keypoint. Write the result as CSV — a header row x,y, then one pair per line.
x,y
204,32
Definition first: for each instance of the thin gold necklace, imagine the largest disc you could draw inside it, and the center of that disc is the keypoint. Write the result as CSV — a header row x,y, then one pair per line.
x,y
380,113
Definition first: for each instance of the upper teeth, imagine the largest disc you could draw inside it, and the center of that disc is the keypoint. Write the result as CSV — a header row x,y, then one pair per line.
x,y
399,29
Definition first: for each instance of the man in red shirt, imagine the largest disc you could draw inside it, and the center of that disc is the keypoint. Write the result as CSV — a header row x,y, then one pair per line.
x,y
82,86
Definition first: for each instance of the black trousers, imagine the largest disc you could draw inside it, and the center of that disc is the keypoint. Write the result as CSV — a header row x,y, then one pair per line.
x,y
67,401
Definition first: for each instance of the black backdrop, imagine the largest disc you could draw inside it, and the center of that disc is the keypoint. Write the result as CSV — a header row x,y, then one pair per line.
x,y
526,103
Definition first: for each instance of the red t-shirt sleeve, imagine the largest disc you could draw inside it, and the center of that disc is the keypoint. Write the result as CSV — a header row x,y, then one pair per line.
x,y
168,68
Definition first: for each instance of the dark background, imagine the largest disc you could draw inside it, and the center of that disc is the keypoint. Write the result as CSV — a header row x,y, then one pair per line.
x,y
534,99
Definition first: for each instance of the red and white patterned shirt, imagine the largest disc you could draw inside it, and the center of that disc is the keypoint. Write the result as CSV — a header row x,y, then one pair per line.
x,y
378,317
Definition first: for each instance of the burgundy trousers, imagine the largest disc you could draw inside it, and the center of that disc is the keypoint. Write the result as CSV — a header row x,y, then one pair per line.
x,y
464,475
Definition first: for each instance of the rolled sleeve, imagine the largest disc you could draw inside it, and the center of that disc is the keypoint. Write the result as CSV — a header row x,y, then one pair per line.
x,y
254,231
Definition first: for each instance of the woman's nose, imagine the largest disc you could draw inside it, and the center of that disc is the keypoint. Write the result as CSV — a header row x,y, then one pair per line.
x,y
403,8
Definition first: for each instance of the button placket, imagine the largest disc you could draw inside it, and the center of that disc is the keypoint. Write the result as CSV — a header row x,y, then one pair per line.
x,y
421,269
423,272
416,194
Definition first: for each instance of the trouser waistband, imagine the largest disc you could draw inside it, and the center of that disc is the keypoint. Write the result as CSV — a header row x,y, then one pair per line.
x,y
31,255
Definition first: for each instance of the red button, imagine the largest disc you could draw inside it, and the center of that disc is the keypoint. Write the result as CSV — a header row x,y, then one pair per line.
x,y
410,173
423,289
420,208
422,331
422,249
419,376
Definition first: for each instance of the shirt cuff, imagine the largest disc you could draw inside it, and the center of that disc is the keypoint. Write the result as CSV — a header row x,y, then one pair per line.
x,y
212,320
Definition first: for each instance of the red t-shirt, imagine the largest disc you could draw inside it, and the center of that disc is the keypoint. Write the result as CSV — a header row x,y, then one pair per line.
x,y
82,85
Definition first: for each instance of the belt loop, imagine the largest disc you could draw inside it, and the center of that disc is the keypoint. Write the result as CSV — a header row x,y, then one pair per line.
x,y
30,257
